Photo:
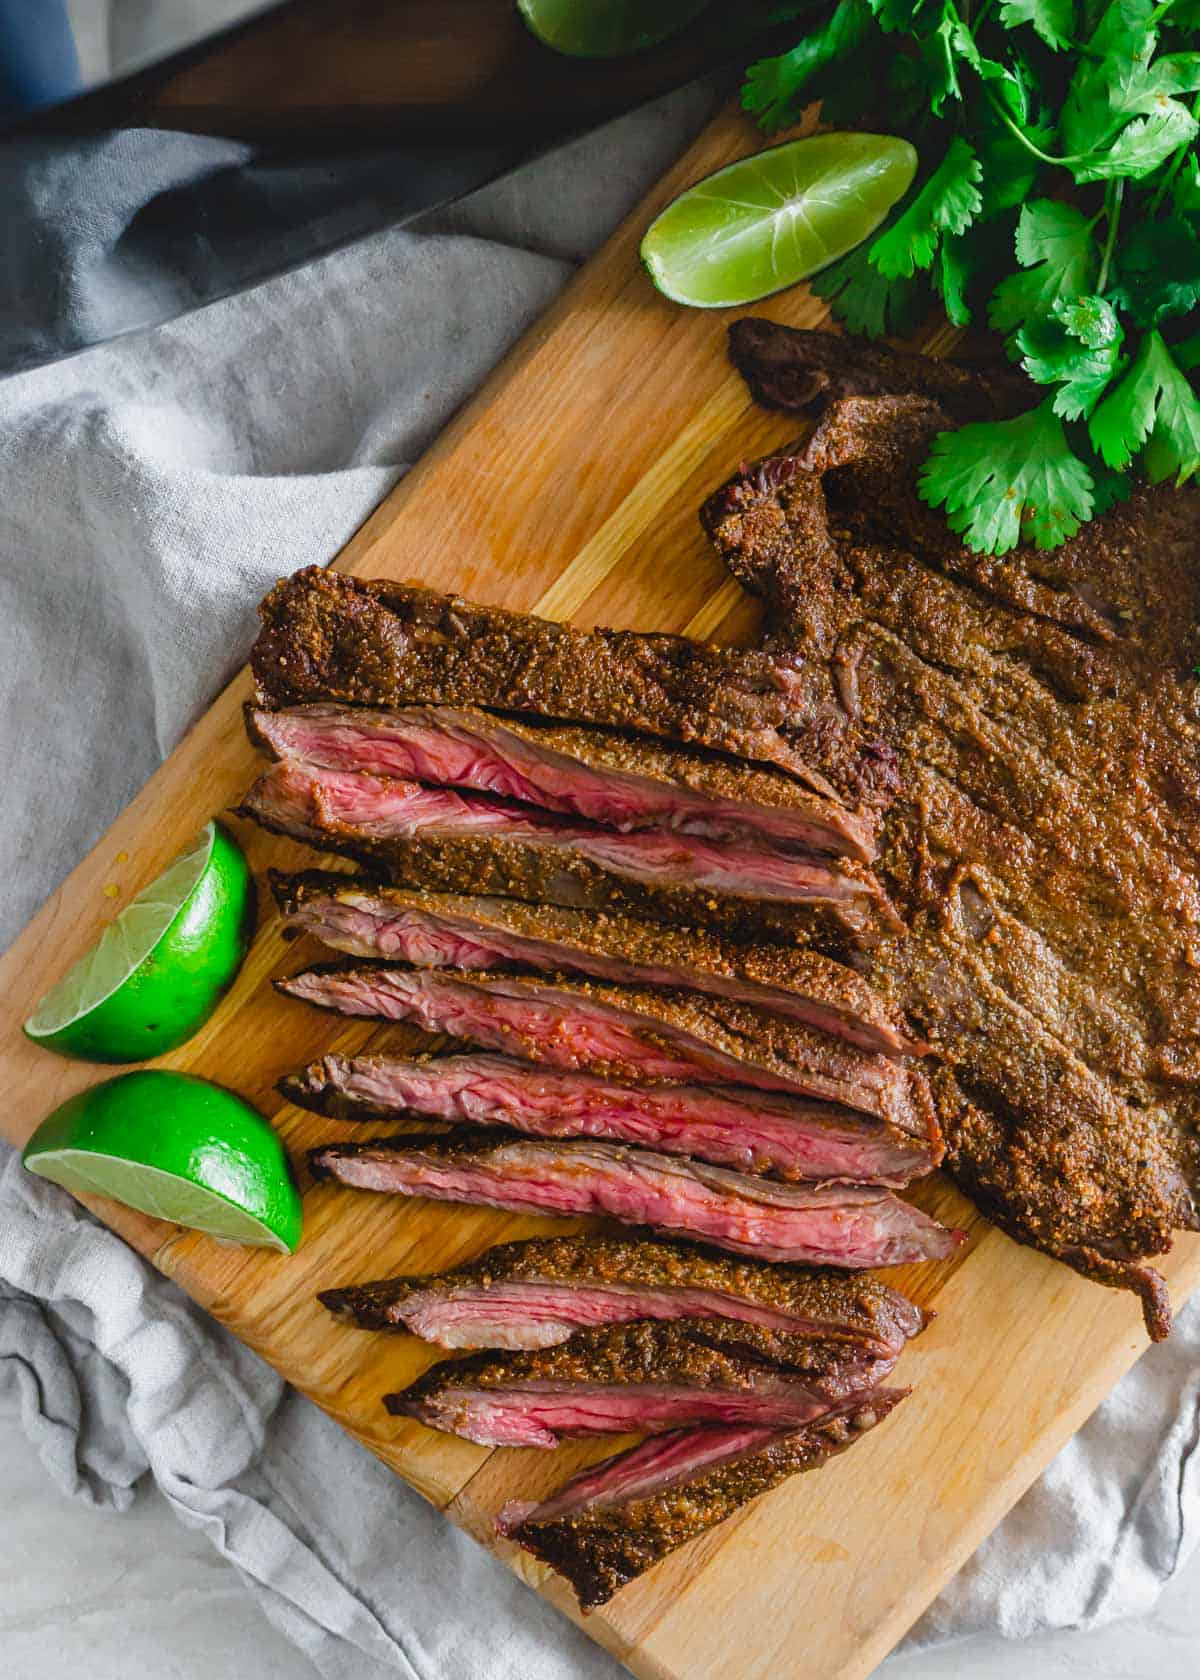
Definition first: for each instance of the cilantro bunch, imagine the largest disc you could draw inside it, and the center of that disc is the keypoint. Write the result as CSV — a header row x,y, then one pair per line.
x,y
1058,200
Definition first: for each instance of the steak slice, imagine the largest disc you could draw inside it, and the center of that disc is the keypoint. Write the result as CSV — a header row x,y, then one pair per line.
x,y
848,1225
802,370
536,1293
614,1521
476,843
329,637
478,932
618,1033
649,1377
623,781
1042,710
755,1132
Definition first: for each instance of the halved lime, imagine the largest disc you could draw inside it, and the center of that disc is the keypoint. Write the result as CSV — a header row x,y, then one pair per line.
x,y
159,970
606,28
175,1147
770,220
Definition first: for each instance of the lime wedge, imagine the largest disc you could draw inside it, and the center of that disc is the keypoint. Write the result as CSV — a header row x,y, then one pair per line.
x,y
175,1147
158,971
770,220
606,28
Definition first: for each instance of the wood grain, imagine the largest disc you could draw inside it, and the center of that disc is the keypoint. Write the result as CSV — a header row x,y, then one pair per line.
x,y
571,484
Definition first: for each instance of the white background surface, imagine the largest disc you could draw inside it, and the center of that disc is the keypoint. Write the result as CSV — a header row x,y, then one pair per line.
x,y
109,1598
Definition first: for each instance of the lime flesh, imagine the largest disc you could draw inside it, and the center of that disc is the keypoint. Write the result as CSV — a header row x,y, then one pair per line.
x,y
607,28
770,220
159,970
175,1147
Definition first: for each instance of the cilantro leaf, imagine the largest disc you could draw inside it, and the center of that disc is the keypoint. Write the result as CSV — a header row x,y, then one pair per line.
x,y
1004,480
1124,37
776,90
1187,353
1057,250
1092,320
1141,145
1159,273
1052,354
947,203
1154,405
943,53
869,303
1054,20
894,15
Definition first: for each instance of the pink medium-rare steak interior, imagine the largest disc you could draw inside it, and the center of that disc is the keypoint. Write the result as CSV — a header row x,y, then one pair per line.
x,y
627,1035
356,812
529,1417
851,1226
445,930
650,1377
622,782
753,1132
658,1464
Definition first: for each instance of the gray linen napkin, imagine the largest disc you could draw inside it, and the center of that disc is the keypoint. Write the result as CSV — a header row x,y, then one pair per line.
x,y
152,489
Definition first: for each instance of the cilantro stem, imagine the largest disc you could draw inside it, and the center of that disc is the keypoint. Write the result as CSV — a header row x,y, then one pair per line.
x,y
1113,209
1019,132
1174,166
983,12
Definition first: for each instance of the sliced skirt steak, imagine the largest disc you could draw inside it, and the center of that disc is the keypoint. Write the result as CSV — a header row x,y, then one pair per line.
x,y
854,1226
646,1377
752,1131
537,1293
614,1521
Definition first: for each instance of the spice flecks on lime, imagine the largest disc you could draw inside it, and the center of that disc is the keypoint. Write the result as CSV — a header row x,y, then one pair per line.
x,y
607,28
770,220
176,1147
159,970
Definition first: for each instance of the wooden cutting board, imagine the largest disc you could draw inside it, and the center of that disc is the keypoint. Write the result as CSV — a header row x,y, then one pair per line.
x,y
570,487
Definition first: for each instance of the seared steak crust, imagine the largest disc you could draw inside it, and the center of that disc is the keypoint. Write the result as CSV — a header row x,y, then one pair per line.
x,y
1044,716
830,1305
601,1547
636,1035
478,931
802,371
329,637
442,841
627,781
656,1376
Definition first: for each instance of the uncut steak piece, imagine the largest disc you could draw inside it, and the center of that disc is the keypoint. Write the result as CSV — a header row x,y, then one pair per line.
x,y
445,930
1042,709
536,1293
650,1377
617,1519
476,843
628,1035
618,779
329,637
845,1225
753,1131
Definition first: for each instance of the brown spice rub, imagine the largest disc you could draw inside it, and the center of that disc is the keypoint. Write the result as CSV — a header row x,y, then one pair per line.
x,y
847,910
1045,719
685,1353
697,1037
327,636
843,1306
711,775
357,915
601,1548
